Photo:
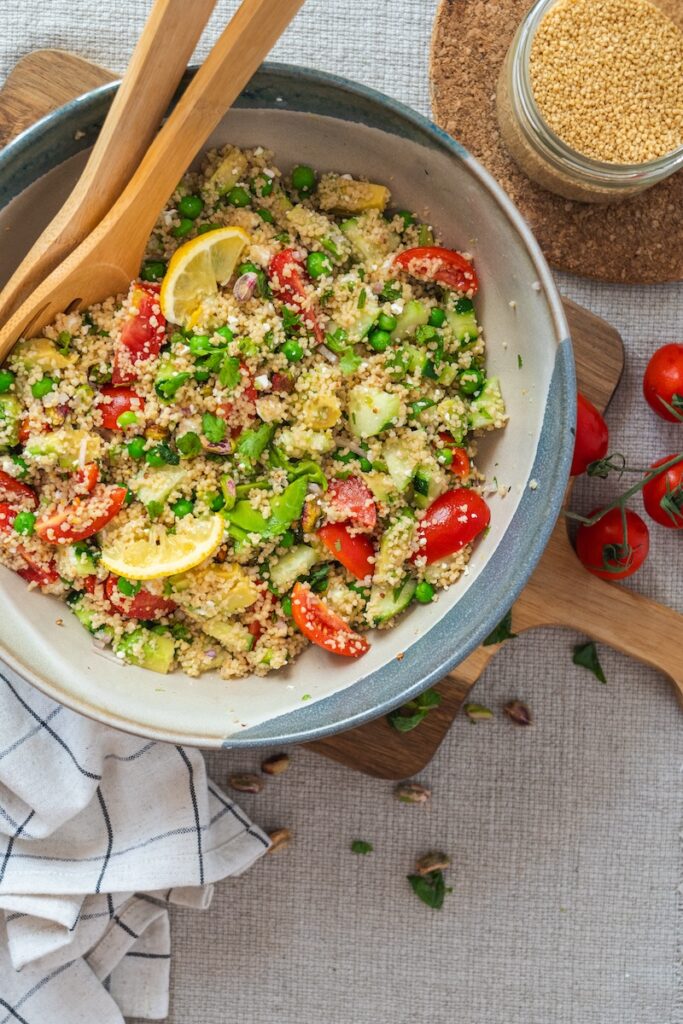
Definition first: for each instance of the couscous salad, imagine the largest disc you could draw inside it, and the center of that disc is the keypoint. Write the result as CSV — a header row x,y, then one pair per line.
x,y
269,441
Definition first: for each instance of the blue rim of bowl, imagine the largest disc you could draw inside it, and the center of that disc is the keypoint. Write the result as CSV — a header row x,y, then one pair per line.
x,y
551,465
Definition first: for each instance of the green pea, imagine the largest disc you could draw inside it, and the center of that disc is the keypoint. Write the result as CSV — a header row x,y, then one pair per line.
x,y
189,444
182,229
21,463
407,218
379,340
286,605
43,387
261,185
6,381
182,507
424,592
318,264
199,344
292,351
127,587
464,306
287,539
471,381
217,502
437,317
126,419
207,227
191,206
303,179
225,332
387,323
25,523
136,448
238,196
444,456
153,270
161,455
201,376
266,215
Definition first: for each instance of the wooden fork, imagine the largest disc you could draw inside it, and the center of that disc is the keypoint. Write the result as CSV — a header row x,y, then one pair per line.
x,y
156,67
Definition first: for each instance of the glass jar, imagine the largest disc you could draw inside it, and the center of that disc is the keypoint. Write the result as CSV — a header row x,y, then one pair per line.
x,y
543,155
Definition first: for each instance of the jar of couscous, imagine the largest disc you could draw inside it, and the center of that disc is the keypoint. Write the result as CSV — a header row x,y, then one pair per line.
x,y
590,97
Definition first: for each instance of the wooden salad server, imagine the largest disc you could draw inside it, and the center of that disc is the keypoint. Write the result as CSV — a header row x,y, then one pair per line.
x,y
109,258
155,69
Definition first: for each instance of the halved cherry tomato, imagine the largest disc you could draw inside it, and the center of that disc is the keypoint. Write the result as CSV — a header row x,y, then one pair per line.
x,y
354,551
290,282
256,629
14,492
26,428
453,520
322,627
118,400
592,437
86,478
434,263
143,605
142,334
460,463
663,383
82,517
7,516
353,499
663,496
606,552
35,571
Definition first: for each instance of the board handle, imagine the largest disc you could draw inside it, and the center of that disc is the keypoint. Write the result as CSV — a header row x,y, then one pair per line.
x,y
562,593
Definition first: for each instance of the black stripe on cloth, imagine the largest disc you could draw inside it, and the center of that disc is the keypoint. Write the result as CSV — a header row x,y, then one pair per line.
x,y
27,735
195,808
12,1012
110,905
119,853
51,732
125,927
150,956
243,821
131,757
36,988
8,817
110,838
10,844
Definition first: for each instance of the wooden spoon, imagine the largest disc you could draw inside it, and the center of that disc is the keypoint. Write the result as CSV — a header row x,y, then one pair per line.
x,y
109,258
156,67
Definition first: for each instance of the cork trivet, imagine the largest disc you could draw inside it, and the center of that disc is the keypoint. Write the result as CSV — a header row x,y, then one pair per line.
x,y
638,240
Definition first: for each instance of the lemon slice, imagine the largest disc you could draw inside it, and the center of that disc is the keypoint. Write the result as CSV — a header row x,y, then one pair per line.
x,y
195,271
159,553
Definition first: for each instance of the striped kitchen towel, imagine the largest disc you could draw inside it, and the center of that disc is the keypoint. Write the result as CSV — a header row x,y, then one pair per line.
x,y
99,833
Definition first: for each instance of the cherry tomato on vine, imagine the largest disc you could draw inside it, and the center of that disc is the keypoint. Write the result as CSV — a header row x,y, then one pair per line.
x,y
663,496
663,383
606,552
592,436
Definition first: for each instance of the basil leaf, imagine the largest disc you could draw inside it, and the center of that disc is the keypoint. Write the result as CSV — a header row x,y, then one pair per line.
x,y
410,715
431,888
230,375
503,631
360,846
586,655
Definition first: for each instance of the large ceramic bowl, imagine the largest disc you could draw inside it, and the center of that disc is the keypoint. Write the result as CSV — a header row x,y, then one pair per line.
x,y
305,116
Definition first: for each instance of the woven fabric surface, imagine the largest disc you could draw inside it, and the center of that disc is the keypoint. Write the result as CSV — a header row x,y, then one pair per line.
x,y
564,837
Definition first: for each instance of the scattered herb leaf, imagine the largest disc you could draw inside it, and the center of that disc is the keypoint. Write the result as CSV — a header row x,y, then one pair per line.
x,y
586,655
360,846
409,716
503,631
431,888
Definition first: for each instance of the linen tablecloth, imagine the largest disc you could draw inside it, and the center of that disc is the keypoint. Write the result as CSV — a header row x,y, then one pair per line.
x,y
564,837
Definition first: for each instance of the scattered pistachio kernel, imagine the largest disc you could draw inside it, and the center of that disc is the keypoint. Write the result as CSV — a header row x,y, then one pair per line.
x,y
433,861
412,793
275,765
246,782
477,712
518,712
279,838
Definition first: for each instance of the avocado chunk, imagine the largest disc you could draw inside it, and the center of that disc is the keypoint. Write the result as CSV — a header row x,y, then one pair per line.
x,y
40,352
235,637
63,447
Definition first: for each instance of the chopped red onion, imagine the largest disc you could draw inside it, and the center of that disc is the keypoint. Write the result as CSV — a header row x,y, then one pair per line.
x,y
245,286
328,354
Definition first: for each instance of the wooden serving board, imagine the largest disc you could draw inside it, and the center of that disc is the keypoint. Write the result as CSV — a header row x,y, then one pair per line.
x,y
607,612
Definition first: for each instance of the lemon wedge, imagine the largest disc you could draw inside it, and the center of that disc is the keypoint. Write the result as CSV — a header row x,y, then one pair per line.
x,y
196,270
159,553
